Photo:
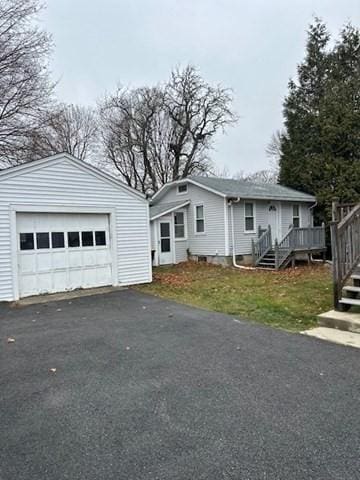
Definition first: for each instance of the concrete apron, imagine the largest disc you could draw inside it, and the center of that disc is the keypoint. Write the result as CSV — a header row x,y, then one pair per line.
x,y
334,335
55,297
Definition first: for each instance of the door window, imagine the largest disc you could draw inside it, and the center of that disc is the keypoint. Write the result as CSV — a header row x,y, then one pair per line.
x,y
165,237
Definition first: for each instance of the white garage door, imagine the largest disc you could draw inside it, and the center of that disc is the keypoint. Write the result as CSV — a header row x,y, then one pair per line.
x,y
58,252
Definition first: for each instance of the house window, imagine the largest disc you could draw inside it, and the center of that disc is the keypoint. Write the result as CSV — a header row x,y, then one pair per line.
x,y
179,221
296,216
249,217
182,188
199,219
26,241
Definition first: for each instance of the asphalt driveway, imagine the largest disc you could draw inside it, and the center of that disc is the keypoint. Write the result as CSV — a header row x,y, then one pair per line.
x,y
149,389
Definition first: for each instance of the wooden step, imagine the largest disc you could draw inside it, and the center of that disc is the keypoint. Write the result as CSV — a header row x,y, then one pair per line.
x,y
266,265
350,301
355,276
352,289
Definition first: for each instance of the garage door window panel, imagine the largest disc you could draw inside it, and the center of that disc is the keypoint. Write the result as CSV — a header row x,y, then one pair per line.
x,y
73,239
27,241
87,239
57,240
42,240
100,238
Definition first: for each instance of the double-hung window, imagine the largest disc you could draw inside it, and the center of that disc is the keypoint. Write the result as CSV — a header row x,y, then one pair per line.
x,y
199,219
296,216
179,222
249,217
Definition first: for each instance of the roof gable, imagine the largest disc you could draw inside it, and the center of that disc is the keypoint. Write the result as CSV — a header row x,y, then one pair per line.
x,y
79,164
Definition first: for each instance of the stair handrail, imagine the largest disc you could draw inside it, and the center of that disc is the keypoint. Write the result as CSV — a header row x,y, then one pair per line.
x,y
301,239
261,246
345,246
284,248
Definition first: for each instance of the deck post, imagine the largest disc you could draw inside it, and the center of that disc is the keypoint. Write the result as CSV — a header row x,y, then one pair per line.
x,y
335,252
270,239
276,254
253,252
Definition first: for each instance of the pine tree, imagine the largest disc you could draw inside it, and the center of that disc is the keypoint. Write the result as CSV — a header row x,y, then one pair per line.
x,y
319,151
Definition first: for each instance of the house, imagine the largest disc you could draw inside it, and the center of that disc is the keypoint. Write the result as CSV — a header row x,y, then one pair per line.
x,y
227,221
65,225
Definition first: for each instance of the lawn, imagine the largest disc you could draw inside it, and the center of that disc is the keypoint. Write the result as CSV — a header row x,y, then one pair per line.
x,y
288,299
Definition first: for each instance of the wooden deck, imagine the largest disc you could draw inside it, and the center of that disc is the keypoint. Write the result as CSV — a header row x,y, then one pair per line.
x,y
277,255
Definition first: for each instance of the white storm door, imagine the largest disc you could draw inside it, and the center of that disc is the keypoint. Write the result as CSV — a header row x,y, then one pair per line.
x,y
165,241
274,220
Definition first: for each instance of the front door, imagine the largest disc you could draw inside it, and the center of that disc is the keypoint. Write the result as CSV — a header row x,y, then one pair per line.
x,y
274,220
165,242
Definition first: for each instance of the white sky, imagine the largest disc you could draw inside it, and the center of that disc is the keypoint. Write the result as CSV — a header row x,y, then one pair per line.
x,y
252,46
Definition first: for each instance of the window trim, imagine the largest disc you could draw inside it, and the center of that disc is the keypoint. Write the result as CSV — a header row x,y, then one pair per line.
x,y
294,216
253,217
185,237
195,219
182,185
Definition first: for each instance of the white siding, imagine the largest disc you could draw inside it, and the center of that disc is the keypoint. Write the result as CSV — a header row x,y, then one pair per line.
x,y
181,250
213,241
64,184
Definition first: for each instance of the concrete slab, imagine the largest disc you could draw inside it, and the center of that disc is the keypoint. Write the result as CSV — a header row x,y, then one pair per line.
x,y
341,320
334,335
56,297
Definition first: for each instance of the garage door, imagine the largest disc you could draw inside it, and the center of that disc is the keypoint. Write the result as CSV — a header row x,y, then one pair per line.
x,y
58,252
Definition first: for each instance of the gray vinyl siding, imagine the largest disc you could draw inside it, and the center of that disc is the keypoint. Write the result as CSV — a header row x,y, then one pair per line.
x,y
62,183
242,238
261,208
306,217
213,241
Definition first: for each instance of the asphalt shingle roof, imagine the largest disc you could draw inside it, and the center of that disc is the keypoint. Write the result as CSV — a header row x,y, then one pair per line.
x,y
161,208
243,189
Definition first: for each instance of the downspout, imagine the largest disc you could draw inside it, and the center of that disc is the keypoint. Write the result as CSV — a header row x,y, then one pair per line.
x,y
242,267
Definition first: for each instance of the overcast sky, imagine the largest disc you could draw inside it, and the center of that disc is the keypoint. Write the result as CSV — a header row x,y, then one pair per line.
x,y
252,46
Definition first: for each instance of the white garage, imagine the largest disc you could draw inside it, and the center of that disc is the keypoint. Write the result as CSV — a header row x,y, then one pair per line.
x,y
65,225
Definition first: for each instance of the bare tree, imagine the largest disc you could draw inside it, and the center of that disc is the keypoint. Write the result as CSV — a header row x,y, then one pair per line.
x,y
153,135
197,111
24,86
261,176
65,128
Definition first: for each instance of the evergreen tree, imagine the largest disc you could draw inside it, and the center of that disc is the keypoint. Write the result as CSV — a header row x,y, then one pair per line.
x,y
319,150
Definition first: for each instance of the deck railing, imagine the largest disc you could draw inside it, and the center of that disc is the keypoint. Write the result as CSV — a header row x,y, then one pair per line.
x,y
299,239
345,246
261,246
